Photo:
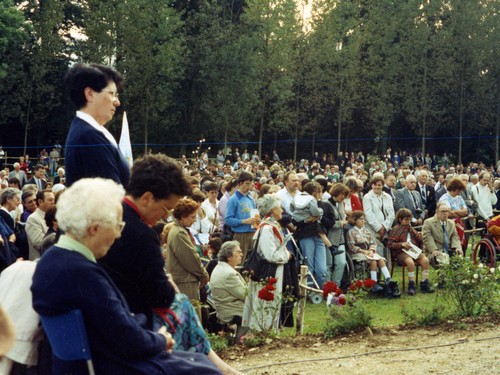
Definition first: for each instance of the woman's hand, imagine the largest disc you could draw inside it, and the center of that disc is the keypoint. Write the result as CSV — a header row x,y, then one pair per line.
x,y
406,245
170,342
171,279
381,232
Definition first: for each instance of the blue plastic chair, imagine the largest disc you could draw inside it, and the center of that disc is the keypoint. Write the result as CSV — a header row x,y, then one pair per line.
x,y
68,337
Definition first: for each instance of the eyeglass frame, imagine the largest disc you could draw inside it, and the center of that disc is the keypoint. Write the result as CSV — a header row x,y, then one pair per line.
x,y
114,94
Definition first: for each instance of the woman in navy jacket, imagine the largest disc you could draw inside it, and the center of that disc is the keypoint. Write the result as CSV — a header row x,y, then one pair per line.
x,y
91,150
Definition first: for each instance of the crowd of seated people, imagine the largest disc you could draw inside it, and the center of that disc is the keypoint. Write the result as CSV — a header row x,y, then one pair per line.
x,y
228,196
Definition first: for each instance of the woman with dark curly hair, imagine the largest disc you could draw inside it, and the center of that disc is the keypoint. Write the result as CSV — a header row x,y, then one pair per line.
x,y
182,258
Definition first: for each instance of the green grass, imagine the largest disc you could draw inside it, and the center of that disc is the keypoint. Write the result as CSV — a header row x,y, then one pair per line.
x,y
386,312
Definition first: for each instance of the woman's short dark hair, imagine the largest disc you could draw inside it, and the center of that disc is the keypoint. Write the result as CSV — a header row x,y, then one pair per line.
x,y
455,184
352,184
160,175
210,186
403,213
338,189
355,215
376,179
185,207
95,76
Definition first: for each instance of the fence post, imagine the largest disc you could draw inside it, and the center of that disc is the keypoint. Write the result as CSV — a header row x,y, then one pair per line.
x,y
302,301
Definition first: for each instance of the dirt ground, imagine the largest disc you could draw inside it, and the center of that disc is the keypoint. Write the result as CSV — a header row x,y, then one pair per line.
x,y
454,348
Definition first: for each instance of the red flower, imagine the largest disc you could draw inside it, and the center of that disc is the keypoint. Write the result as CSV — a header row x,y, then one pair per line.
x,y
265,295
342,300
272,280
359,284
339,291
353,287
270,287
369,283
329,287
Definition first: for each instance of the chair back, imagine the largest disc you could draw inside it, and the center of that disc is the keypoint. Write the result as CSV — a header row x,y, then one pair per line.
x,y
68,337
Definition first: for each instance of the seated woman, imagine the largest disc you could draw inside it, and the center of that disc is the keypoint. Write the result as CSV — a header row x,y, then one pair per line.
x,y
362,247
228,286
182,258
400,238
67,277
270,244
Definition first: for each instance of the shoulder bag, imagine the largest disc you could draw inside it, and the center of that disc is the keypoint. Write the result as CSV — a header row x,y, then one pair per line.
x,y
257,265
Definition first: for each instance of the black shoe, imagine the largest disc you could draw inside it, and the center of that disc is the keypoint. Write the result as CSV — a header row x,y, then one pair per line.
x,y
376,289
391,289
412,288
335,251
425,287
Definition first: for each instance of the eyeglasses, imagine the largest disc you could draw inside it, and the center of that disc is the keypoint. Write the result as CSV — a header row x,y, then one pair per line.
x,y
114,94
167,211
444,212
121,226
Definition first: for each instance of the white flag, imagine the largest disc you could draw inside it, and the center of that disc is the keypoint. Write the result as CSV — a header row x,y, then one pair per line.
x,y
124,145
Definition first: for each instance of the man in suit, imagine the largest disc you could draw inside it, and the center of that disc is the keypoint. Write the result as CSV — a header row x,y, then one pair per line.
x,y
390,186
427,194
228,286
408,198
36,226
38,178
19,174
439,234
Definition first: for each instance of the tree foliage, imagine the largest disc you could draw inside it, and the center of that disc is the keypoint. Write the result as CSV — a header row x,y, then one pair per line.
x,y
410,74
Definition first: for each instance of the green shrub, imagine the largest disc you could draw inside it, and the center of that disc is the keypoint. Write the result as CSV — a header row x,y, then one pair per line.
x,y
345,319
422,316
217,342
474,289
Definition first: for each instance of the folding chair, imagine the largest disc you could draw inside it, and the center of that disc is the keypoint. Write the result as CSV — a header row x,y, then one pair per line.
x,y
68,337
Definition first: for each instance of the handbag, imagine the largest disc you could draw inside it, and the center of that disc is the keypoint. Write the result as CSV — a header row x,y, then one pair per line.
x,y
257,266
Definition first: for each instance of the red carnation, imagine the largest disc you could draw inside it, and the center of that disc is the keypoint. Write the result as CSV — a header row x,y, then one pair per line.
x,y
359,284
353,287
329,287
270,287
342,300
265,295
369,283
339,291
272,280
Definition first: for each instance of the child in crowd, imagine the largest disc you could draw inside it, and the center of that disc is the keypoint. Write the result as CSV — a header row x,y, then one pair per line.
x,y
306,215
362,247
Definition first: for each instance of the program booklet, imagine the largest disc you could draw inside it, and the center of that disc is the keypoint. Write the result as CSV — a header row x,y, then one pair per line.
x,y
414,251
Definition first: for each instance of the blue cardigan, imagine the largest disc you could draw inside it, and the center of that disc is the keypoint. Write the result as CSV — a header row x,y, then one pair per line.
x,y
88,153
65,280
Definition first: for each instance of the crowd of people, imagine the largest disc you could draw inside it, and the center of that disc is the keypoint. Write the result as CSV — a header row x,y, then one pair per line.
x,y
137,250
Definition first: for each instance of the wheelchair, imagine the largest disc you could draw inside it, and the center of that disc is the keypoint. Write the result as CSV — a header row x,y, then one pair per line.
x,y
486,251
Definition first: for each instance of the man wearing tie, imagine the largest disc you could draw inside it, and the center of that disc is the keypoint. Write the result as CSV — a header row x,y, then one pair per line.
x,y
439,234
427,194
408,198
38,178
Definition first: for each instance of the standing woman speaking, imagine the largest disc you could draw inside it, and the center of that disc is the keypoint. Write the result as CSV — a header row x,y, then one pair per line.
x,y
91,150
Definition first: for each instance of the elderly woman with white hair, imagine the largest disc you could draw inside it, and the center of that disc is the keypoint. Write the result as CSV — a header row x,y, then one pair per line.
x,y
68,277
271,244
